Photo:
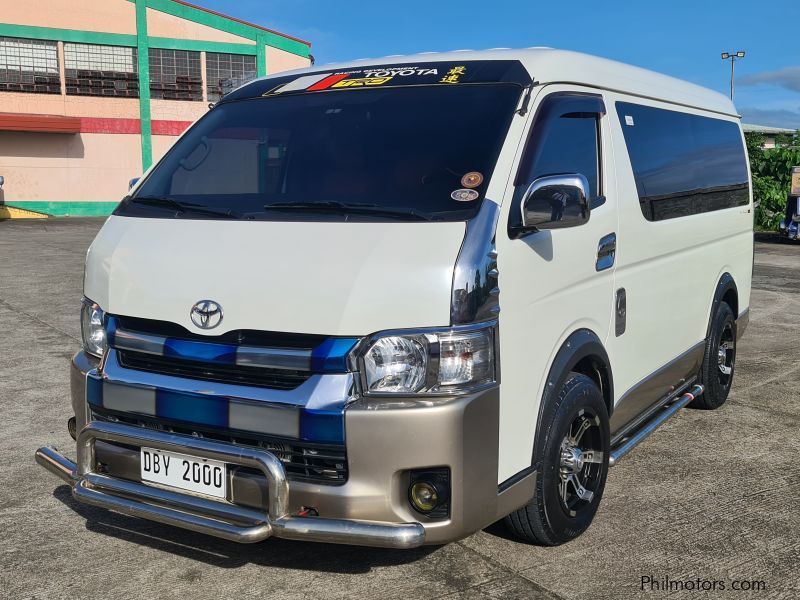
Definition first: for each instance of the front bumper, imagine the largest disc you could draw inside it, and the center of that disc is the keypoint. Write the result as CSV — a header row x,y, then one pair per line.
x,y
220,519
385,442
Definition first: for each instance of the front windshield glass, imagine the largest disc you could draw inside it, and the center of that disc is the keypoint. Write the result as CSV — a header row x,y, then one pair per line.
x,y
400,153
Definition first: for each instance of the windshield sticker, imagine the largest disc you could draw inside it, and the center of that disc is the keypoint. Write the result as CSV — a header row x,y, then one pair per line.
x,y
464,195
454,74
361,81
472,179
372,76
443,73
438,73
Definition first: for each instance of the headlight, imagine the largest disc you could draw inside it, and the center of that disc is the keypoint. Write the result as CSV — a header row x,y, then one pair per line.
x,y
439,361
396,364
92,330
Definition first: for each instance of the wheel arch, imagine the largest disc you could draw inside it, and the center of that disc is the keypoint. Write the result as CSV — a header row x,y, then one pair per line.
x,y
584,353
726,291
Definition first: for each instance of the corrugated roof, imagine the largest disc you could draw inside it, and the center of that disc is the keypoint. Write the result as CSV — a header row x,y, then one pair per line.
x,y
749,128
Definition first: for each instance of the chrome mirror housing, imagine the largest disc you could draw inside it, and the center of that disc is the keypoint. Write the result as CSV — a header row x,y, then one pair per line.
x,y
556,202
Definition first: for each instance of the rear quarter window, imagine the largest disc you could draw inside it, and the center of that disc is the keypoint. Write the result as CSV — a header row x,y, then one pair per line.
x,y
683,164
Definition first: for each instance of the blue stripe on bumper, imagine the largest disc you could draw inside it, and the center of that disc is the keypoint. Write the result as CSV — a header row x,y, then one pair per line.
x,y
219,412
194,408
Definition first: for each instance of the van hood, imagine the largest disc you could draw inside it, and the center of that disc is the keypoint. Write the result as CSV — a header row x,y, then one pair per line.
x,y
348,279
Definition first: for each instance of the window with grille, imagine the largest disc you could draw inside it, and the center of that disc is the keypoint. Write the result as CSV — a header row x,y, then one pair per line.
x,y
175,74
29,66
226,72
95,70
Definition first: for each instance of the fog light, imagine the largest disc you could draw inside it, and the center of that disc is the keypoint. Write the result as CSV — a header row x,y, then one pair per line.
x,y
424,496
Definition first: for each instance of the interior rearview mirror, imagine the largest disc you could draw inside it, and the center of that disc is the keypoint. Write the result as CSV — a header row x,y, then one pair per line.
x,y
556,202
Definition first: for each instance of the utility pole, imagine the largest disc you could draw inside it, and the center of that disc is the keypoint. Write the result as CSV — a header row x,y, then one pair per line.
x,y
733,57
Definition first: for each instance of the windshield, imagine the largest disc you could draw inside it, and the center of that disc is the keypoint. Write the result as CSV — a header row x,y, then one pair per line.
x,y
403,153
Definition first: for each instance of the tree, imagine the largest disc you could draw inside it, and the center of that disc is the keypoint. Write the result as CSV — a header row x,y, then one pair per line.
x,y
772,172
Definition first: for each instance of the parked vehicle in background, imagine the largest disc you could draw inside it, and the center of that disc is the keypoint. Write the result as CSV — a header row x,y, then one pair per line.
x,y
293,326
791,222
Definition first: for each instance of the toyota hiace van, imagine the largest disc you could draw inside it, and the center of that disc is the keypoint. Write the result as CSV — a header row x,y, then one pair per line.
x,y
391,302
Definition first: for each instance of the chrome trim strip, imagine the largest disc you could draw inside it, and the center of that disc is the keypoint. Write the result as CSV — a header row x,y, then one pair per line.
x,y
274,358
320,391
139,342
217,518
251,356
478,255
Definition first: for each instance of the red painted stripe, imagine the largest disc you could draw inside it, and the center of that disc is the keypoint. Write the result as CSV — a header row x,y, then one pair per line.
x,y
169,127
324,84
39,123
62,124
106,125
118,126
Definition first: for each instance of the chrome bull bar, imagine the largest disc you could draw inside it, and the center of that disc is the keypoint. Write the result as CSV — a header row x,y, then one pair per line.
x,y
218,518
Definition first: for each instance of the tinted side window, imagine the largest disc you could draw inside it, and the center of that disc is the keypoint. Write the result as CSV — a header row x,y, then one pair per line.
x,y
683,164
564,140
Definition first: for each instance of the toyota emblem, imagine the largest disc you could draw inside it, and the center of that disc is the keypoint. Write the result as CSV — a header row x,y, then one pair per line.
x,y
206,314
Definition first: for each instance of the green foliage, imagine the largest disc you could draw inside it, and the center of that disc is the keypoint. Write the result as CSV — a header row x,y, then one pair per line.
x,y
772,174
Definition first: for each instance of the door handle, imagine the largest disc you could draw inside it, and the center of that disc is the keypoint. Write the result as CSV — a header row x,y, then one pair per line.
x,y
606,251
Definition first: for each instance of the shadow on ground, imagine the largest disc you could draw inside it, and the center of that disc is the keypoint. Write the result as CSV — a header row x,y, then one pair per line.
x,y
287,554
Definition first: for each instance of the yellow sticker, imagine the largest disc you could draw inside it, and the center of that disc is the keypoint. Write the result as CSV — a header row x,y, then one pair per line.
x,y
453,74
361,82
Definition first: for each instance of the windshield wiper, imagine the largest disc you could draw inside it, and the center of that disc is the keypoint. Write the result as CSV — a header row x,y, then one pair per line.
x,y
182,206
344,208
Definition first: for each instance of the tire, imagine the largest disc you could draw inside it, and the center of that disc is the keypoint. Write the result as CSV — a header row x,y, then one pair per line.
x,y
558,512
719,360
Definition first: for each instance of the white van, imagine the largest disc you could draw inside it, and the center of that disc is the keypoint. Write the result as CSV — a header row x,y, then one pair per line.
x,y
293,326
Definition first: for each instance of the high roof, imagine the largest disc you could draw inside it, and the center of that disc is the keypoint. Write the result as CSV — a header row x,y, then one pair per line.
x,y
548,65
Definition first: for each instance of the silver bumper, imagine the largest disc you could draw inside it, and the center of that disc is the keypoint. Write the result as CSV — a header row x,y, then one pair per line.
x,y
218,518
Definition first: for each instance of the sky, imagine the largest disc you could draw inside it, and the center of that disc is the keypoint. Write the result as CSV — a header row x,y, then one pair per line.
x,y
678,37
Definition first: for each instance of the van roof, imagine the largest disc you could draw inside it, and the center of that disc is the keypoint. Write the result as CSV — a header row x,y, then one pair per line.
x,y
549,65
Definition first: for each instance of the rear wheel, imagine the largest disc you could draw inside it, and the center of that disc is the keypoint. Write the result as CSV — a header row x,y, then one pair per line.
x,y
573,446
719,360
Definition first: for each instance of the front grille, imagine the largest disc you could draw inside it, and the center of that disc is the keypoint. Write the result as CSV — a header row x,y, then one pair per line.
x,y
313,463
236,374
238,337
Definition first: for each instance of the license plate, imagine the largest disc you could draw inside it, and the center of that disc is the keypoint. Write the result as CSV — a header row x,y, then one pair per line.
x,y
199,475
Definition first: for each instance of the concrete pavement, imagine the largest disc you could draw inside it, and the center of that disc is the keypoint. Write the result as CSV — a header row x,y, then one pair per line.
x,y
710,496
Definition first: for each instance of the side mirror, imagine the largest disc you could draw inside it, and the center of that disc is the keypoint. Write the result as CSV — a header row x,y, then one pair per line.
x,y
133,182
556,202
2,181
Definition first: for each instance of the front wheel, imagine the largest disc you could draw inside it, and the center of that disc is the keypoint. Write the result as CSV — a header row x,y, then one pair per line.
x,y
573,445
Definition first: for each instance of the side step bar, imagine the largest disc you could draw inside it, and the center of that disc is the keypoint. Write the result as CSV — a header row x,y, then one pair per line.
x,y
657,420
